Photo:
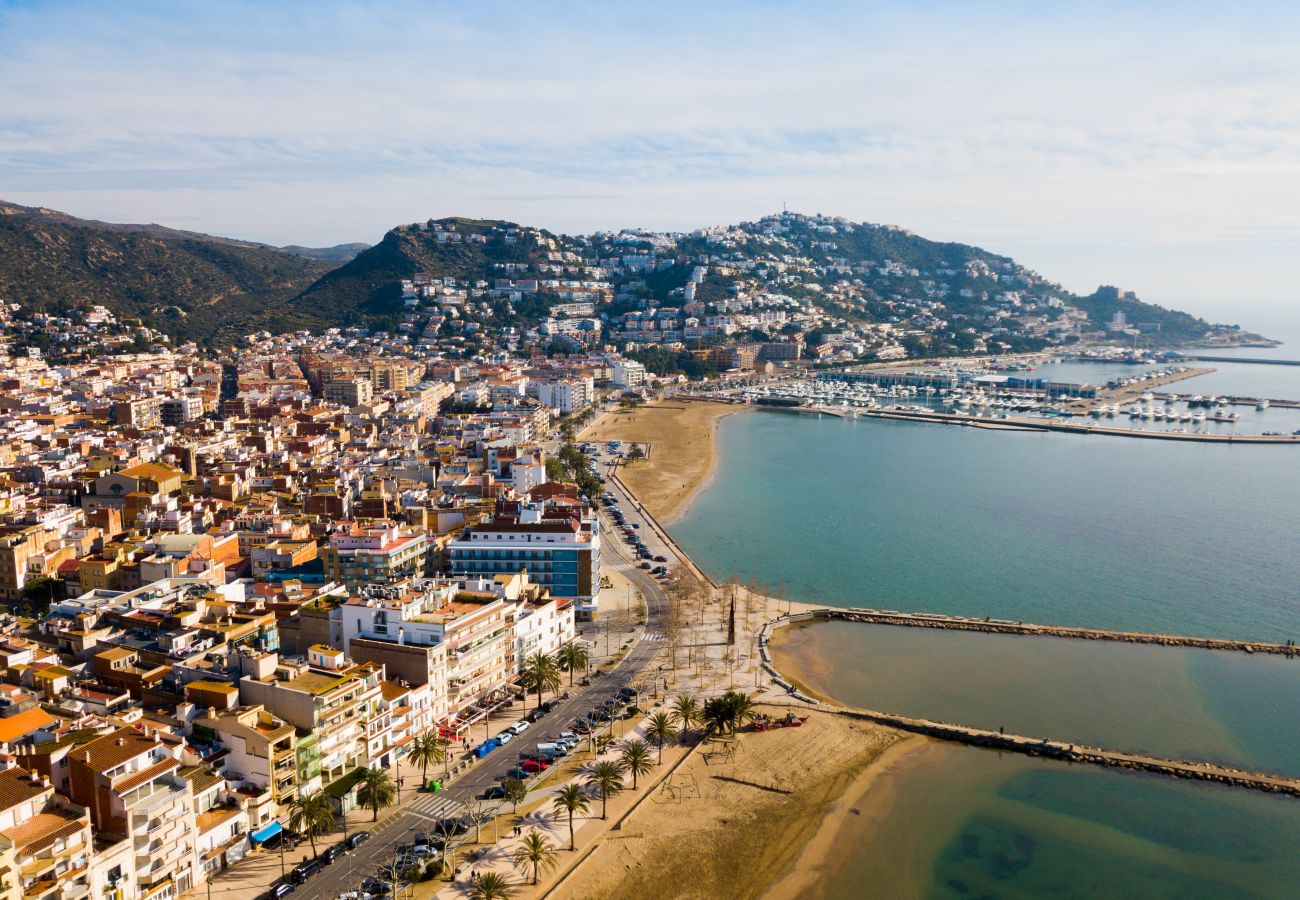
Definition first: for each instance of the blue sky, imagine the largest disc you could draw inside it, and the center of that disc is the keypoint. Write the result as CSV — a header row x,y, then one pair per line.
x,y
1151,145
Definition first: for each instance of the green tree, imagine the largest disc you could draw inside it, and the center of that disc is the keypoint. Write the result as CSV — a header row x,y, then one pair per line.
x,y
492,886
606,779
729,712
428,747
540,672
573,656
516,793
311,813
686,710
535,851
661,730
571,799
635,758
377,790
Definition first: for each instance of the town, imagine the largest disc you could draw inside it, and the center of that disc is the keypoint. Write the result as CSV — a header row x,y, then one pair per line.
x,y
245,586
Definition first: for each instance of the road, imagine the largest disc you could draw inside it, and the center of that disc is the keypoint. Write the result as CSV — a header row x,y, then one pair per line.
x,y
422,813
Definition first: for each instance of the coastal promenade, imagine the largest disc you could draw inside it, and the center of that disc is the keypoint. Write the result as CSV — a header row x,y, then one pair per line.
x,y
1037,746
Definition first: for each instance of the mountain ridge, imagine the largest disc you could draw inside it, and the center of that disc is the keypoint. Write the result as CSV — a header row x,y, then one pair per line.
x,y
198,286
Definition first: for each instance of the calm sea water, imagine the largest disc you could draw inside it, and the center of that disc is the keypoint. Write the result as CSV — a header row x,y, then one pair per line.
x,y
1106,532
1231,708
962,823
1055,528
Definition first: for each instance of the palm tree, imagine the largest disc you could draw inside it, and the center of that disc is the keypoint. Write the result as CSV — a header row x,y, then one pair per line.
x,y
729,712
492,886
686,710
535,850
311,814
429,747
571,799
516,793
636,759
661,730
606,778
573,656
377,790
540,672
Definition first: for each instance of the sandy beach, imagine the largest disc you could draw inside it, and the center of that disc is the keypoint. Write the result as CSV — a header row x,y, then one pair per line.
x,y
734,825
683,450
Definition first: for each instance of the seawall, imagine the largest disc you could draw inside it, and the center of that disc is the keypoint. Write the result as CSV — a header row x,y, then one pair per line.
x,y
1033,746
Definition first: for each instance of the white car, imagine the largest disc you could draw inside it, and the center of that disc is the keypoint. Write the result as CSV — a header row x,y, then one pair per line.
x,y
505,737
518,728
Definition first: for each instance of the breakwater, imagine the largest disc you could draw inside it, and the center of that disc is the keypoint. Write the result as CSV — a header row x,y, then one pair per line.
x,y
1027,424
1038,746
1004,626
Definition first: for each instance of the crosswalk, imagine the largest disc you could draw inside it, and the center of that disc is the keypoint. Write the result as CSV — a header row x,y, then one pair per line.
x,y
435,806
653,636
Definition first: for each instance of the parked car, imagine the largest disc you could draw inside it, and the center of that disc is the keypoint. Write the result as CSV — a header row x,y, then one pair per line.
x,y
662,559
645,564
332,853
496,792
356,840
533,766
280,889
519,727
583,728
505,737
569,737
518,774
305,870
375,886
627,693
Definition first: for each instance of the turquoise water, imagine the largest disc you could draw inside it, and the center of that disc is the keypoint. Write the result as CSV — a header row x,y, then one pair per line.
x,y
1234,709
1063,529
965,823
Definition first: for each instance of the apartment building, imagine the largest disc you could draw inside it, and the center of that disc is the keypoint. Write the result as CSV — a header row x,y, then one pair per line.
x,y
260,748
374,554
130,782
329,700
560,552
51,845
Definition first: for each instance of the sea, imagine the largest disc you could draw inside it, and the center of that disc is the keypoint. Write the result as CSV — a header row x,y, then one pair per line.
x,y
1195,539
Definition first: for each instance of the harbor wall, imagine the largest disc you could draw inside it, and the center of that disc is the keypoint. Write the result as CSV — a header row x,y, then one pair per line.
x,y
1032,746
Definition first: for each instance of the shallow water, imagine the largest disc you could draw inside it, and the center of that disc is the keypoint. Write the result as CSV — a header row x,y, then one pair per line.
x,y
957,822
1235,709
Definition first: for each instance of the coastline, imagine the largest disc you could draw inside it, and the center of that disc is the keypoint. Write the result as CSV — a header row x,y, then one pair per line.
x,y
740,826
864,806
683,439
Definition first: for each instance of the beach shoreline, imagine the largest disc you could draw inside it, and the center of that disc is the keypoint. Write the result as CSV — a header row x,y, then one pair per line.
x,y
683,439
865,805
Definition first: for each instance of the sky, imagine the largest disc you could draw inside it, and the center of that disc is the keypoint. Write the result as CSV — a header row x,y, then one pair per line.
x,y
1155,146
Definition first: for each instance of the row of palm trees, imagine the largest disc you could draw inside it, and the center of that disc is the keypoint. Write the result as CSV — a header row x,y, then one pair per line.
x,y
541,671
604,779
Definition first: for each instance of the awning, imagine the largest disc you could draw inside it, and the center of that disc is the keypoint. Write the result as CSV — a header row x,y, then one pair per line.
x,y
267,833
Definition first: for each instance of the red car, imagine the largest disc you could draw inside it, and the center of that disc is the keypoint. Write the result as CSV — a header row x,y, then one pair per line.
x,y
533,766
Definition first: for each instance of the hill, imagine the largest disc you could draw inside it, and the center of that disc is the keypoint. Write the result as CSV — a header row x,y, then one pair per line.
x,y
190,285
816,275
339,253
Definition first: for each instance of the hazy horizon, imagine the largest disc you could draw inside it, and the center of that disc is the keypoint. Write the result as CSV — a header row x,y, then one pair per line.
x,y
1152,147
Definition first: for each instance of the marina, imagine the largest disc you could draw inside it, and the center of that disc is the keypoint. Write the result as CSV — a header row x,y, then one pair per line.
x,y
1129,405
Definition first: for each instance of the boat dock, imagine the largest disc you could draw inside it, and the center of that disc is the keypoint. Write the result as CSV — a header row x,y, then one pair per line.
x,y
1024,423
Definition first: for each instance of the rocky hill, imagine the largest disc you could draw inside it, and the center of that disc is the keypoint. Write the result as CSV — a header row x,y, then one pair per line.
x,y
190,285
945,297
